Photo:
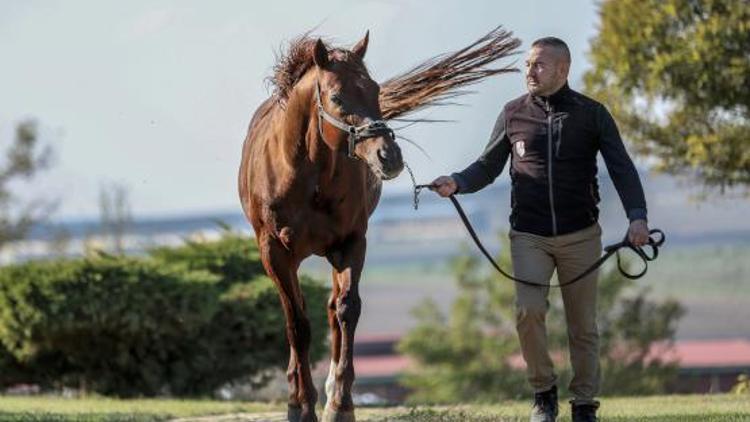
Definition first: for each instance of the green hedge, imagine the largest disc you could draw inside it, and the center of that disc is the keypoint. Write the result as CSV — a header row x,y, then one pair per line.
x,y
179,321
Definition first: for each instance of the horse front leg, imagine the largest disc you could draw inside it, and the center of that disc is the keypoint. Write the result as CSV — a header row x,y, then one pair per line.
x,y
283,271
347,263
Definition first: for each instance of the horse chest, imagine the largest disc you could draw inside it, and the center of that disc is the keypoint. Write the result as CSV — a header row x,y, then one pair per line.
x,y
338,214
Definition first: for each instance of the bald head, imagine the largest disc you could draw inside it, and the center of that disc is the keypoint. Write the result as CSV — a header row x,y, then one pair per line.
x,y
547,66
556,45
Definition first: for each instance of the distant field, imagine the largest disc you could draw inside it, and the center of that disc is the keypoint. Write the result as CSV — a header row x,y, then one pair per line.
x,y
711,280
665,408
705,272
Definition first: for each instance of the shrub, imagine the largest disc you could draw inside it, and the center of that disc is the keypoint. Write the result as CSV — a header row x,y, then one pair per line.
x,y
180,321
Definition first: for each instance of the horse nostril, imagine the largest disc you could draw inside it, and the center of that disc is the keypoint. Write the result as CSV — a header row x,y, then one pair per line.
x,y
382,155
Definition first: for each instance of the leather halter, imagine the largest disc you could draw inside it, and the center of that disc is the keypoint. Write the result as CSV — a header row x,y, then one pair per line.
x,y
357,134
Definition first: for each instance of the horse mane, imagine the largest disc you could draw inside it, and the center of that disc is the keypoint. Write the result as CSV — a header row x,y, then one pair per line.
x,y
442,78
434,82
293,62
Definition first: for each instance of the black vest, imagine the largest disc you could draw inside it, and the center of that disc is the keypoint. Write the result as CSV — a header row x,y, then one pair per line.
x,y
554,143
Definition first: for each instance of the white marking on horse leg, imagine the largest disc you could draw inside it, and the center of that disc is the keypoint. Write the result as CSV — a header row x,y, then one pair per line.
x,y
330,383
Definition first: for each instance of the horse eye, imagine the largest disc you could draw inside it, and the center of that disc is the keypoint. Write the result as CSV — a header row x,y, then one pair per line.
x,y
336,99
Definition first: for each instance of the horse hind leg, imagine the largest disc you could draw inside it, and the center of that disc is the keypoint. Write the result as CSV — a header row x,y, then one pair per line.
x,y
281,269
333,324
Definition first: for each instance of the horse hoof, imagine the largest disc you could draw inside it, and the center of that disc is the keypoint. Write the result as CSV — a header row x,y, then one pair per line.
x,y
299,414
330,415
294,413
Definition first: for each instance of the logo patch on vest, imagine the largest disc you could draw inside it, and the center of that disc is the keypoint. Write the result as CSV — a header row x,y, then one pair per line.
x,y
520,148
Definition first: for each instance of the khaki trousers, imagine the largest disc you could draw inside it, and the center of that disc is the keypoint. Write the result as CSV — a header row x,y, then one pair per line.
x,y
535,258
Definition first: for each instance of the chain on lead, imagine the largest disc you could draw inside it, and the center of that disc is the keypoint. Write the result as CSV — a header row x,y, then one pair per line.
x,y
417,189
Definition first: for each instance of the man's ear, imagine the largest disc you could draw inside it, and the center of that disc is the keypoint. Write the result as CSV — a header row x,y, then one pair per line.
x,y
320,54
361,47
563,69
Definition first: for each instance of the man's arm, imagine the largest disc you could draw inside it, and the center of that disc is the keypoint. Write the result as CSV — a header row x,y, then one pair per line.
x,y
489,165
621,168
624,176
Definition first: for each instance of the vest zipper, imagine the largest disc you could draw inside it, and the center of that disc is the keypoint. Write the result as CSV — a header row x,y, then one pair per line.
x,y
549,168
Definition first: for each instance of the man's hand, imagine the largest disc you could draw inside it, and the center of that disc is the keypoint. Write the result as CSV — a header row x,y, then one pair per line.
x,y
638,232
445,186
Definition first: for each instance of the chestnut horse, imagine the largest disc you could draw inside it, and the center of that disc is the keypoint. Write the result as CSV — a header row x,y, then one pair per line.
x,y
312,165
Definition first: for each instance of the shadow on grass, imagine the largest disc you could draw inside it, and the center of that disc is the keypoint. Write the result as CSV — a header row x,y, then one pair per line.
x,y
415,415
429,415
79,417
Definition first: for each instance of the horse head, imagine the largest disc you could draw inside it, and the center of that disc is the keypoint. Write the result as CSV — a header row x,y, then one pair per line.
x,y
349,115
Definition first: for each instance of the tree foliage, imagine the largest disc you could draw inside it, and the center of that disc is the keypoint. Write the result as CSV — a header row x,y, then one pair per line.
x,y
24,158
471,354
180,321
463,356
676,76
115,215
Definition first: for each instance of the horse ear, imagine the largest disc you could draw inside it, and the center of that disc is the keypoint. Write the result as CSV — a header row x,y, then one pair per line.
x,y
361,48
320,54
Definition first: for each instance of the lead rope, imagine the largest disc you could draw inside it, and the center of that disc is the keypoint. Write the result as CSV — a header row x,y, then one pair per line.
x,y
613,249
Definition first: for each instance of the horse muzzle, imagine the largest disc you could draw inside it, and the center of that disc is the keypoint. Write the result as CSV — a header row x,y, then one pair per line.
x,y
389,160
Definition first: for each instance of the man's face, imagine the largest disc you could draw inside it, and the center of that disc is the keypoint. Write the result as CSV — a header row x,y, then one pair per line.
x,y
546,71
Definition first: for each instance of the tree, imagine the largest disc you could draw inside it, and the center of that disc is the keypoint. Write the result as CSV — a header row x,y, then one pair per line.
x,y
463,357
676,76
468,355
24,158
115,215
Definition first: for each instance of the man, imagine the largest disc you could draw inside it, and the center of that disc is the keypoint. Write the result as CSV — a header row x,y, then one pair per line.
x,y
552,135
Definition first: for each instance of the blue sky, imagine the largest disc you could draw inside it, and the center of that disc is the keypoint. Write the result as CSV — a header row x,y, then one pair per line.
x,y
157,95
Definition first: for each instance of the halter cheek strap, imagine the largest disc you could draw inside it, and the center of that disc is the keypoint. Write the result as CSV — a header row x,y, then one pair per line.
x,y
356,134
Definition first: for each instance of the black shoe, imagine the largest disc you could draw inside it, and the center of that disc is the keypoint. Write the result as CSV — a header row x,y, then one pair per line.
x,y
585,412
545,406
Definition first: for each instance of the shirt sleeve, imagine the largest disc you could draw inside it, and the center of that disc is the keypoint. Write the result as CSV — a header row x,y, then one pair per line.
x,y
621,168
490,163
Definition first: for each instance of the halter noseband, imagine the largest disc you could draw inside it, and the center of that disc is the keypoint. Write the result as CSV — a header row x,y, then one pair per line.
x,y
356,133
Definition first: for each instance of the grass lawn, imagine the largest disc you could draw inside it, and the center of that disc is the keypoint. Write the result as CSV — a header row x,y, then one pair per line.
x,y
664,408
54,409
